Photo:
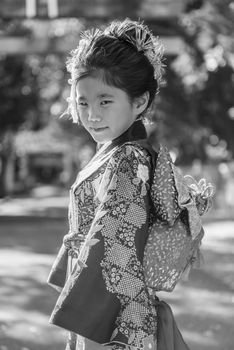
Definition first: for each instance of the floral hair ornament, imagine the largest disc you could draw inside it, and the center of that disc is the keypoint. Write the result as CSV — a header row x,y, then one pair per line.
x,y
144,41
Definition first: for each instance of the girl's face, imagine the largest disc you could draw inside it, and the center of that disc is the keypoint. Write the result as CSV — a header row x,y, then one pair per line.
x,y
105,111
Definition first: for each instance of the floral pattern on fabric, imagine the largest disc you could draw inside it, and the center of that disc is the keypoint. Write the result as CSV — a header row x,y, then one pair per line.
x,y
116,221
114,201
122,269
176,232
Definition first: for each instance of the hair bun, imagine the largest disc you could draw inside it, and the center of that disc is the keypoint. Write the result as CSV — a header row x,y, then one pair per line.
x,y
139,36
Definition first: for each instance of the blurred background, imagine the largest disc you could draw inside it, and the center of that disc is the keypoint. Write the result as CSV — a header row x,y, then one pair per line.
x,y
41,153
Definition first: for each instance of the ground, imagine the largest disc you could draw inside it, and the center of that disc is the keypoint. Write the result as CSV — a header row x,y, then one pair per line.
x,y
203,306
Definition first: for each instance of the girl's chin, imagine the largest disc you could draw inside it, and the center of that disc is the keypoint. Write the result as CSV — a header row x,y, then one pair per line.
x,y
101,135
101,140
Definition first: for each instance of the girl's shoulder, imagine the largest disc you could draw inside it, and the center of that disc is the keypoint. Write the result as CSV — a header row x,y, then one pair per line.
x,y
142,150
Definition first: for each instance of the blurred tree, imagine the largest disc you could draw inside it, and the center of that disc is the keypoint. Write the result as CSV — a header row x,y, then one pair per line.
x,y
18,95
195,105
19,102
193,4
198,96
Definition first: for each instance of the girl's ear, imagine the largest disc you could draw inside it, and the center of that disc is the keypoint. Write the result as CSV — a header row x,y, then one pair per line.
x,y
141,103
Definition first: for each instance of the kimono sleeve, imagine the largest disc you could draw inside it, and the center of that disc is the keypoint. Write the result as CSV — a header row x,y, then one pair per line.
x,y
58,274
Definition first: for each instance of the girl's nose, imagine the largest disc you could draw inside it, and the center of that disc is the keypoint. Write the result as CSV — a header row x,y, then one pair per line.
x,y
93,115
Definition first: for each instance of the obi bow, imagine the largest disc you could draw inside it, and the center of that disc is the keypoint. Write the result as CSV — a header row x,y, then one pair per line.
x,y
176,232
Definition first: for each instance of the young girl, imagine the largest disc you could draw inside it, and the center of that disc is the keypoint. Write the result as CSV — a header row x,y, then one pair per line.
x,y
124,205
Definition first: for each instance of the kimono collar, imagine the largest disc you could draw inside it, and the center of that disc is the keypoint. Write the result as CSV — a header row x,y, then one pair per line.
x,y
135,132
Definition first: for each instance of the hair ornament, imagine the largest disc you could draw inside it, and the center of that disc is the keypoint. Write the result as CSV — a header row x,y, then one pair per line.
x,y
152,48
87,37
143,40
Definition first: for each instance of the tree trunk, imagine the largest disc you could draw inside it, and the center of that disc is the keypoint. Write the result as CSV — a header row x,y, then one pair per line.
x,y
3,161
7,163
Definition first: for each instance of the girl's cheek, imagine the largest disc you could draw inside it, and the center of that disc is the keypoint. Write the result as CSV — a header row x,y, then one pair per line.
x,y
82,118
82,114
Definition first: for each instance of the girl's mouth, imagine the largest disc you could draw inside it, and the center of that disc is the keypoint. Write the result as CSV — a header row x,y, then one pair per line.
x,y
99,129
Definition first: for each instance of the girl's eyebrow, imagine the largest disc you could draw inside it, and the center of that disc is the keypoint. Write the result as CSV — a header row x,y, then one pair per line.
x,y
102,95
81,98
105,95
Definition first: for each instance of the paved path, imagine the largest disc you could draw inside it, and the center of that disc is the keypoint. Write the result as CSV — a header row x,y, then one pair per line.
x,y
53,207
203,306
27,251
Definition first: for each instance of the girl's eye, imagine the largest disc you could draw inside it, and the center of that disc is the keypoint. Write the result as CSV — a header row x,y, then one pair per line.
x,y
105,102
83,104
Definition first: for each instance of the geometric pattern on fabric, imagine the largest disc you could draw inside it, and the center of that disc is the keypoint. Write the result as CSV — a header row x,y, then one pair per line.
x,y
135,312
118,254
135,214
122,269
129,285
114,202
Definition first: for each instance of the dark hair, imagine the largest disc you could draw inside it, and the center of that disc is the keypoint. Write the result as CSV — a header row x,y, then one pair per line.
x,y
113,55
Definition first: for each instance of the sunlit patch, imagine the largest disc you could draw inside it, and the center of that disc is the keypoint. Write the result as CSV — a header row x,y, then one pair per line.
x,y
26,301
204,305
201,340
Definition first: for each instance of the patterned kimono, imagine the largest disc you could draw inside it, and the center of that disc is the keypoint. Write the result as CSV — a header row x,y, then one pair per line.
x,y
104,296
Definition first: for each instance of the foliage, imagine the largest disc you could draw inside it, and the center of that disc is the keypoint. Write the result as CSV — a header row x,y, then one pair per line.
x,y
18,93
194,111
200,83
